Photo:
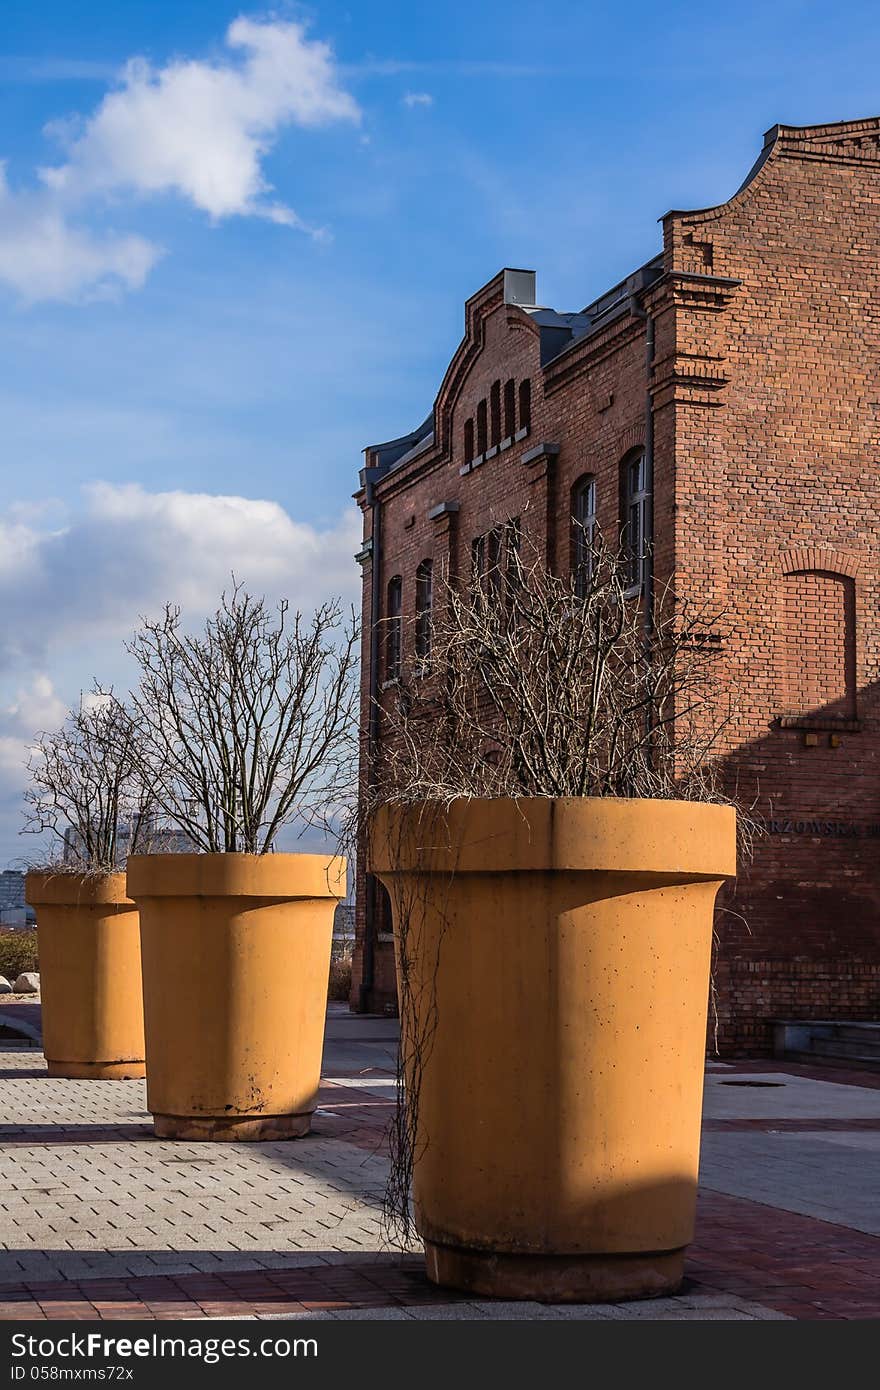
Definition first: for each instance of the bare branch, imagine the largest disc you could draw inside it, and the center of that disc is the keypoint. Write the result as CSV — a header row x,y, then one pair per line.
x,y
250,724
86,787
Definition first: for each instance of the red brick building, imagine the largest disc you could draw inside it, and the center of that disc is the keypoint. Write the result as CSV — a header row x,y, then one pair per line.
x,y
725,399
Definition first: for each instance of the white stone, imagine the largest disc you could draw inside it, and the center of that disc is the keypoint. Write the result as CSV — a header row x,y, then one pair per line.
x,y
27,983
5,986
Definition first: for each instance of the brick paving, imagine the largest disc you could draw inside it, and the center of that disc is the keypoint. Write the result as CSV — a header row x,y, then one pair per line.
x,y
99,1219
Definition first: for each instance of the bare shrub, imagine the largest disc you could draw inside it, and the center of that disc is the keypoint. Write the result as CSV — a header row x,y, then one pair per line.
x,y
87,789
535,685
555,687
339,987
250,724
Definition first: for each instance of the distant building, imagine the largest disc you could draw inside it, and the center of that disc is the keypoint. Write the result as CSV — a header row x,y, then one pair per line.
x,y
14,911
343,928
158,840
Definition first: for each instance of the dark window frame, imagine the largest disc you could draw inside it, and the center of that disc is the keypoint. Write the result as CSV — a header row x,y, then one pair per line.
x,y
494,560
525,404
583,531
482,429
424,608
635,515
478,563
512,554
468,439
394,627
495,414
509,408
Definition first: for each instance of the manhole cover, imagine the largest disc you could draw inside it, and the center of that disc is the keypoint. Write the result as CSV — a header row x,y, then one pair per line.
x,y
752,1083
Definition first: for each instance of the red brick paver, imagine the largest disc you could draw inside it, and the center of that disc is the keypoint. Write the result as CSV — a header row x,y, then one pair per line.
x,y
794,1264
797,1265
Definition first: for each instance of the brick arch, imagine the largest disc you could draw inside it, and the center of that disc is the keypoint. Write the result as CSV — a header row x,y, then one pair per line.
x,y
819,558
629,440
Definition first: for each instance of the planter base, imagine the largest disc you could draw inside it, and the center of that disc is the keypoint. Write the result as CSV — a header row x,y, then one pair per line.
x,y
224,1129
556,1278
97,1071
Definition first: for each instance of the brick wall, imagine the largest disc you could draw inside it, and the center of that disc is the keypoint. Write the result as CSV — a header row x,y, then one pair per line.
x,y
764,386
777,513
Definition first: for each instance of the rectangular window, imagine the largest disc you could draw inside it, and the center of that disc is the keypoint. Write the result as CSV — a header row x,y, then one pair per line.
x,y
424,605
478,562
512,558
468,440
482,428
509,409
495,561
635,519
494,573
394,628
583,516
495,413
525,404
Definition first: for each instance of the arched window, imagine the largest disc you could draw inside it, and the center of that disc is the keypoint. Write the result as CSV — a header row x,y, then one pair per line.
x,y
394,628
424,604
525,404
509,408
495,413
468,440
583,532
482,431
636,502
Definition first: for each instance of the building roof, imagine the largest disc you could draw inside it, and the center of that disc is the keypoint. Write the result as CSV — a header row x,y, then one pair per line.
x,y
560,329
557,329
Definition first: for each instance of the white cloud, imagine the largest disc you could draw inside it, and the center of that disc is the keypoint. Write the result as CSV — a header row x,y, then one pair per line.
x,y
129,551
195,129
44,255
200,129
412,99
76,591
35,706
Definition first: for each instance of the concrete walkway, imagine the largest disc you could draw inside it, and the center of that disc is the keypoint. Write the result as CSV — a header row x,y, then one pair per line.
x,y
99,1218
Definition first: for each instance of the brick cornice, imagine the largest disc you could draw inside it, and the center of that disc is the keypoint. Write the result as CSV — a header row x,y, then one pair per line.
x,y
819,558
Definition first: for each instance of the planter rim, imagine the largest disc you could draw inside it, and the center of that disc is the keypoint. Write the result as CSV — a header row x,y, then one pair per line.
x,y
61,889
693,839
236,875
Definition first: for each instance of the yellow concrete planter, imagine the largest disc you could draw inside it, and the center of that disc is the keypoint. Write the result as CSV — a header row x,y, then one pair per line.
x,y
90,975
236,957
558,974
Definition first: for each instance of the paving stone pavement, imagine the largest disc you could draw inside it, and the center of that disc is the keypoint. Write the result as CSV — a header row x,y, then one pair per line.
x,y
98,1218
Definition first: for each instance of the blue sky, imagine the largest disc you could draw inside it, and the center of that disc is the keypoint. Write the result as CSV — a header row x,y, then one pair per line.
x,y
197,307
